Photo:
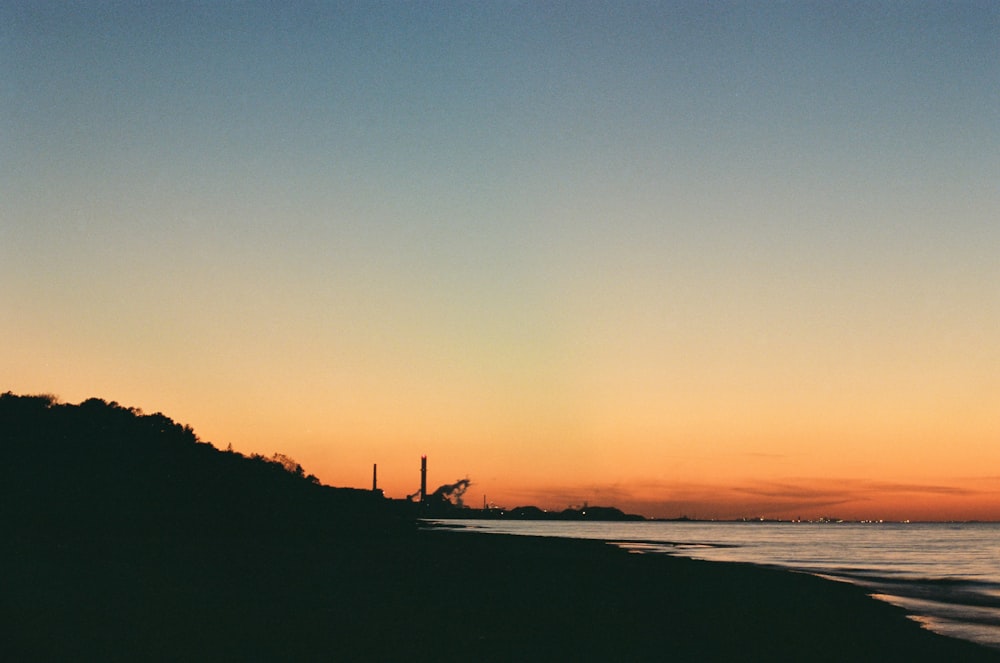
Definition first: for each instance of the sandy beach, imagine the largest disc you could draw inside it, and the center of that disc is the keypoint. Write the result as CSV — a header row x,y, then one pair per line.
x,y
432,595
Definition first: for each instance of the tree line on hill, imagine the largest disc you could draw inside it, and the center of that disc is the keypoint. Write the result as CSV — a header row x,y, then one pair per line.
x,y
99,467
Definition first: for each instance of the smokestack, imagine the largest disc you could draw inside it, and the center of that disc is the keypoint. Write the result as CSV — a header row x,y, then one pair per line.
x,y
423,479
374,477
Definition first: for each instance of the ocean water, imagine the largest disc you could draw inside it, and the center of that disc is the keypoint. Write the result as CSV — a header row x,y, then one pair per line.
x,y
946,576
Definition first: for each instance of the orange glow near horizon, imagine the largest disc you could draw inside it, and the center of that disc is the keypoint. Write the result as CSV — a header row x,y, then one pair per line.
x,y
739,466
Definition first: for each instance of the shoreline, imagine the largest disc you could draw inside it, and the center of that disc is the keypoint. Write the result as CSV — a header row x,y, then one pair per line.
x,y
948,588
427,594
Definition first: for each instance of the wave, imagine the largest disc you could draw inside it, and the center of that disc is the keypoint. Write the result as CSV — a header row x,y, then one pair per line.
x,y
952,591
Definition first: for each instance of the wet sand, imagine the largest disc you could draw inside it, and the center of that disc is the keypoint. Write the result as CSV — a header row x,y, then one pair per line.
x,y
409,595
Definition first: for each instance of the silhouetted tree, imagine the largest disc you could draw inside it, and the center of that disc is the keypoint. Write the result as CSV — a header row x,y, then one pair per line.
x,y
289,464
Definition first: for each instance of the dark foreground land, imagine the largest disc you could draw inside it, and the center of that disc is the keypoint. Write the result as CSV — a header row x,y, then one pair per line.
x,y
432,596
130,562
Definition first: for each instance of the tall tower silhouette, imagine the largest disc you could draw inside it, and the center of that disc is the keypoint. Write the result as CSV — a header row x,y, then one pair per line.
x,y
423,479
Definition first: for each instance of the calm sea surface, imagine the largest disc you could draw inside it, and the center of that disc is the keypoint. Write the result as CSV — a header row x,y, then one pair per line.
x,y
947,576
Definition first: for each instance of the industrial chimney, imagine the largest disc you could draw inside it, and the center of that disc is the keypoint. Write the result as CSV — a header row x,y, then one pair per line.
x,y
423,479
375,477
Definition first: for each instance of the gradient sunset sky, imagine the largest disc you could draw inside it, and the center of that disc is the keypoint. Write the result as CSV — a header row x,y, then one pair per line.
x,y
713,259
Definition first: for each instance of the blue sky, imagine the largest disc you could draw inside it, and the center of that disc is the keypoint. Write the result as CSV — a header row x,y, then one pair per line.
x,y
385,229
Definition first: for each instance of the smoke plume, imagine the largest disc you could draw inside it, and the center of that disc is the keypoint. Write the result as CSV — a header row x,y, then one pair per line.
x,y
452,492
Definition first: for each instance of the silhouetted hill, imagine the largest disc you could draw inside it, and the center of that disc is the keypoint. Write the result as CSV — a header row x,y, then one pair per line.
x,y
98,467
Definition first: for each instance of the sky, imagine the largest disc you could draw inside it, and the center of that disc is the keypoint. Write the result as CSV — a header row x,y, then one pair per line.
x,y
721,260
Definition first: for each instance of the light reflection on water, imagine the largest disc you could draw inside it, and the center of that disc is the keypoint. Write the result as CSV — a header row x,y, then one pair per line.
x,y
947,576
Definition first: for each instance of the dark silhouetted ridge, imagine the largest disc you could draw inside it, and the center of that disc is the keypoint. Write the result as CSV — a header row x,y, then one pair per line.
x,y
98,467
